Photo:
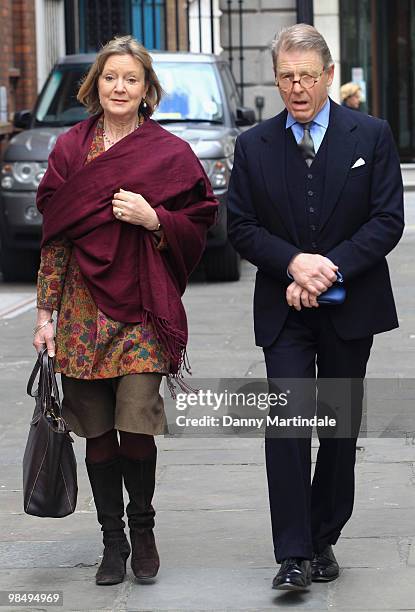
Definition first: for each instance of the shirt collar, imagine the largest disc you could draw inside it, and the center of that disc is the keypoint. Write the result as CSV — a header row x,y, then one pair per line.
x,y
322,117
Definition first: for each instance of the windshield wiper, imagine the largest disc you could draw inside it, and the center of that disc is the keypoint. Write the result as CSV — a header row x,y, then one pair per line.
x,y
57,123
184,120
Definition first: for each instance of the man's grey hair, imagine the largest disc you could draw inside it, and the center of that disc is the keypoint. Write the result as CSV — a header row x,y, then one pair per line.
x,y
301,37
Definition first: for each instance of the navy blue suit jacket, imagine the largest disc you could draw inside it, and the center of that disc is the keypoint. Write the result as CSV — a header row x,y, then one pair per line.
x,y
360,223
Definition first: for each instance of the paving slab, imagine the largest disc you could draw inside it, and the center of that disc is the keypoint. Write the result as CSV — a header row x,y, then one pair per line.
x,y
388,450
201,456
388,485
52,553
375,553
80,593
205,491
22,527
373,589
380,522
215,539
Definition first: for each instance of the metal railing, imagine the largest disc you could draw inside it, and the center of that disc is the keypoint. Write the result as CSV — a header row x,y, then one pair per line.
x,y
235,8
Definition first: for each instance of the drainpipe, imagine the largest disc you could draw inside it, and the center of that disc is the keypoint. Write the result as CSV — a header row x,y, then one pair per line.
x,y
305,11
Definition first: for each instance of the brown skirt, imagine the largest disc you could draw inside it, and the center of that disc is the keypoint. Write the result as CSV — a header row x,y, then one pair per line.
x,y
127,403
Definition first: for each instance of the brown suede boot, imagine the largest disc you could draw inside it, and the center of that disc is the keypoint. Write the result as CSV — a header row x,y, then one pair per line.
x,y
106,484
139,480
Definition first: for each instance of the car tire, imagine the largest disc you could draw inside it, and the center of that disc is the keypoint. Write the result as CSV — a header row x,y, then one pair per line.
x,y
18,264
222,264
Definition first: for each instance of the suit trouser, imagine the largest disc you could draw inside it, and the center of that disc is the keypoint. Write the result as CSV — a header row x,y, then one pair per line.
x,y
306,516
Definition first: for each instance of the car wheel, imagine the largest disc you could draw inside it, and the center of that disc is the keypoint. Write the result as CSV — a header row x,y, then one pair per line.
x,y
18,264
222,263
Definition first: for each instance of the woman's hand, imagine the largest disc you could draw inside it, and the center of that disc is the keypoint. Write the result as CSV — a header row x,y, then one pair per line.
x,y
133,208
46,334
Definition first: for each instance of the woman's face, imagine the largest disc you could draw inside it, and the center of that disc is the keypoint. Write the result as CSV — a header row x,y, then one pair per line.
x,y
121,87
354,100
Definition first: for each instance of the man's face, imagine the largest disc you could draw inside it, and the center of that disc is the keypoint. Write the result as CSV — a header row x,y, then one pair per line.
x,y
303,104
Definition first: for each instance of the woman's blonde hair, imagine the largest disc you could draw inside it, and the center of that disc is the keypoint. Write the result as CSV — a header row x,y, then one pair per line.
x,y
349,89
120,45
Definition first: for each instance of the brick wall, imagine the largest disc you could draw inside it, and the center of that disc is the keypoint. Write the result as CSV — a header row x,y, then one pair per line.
x,y
24,44
6,43
18,52
17,58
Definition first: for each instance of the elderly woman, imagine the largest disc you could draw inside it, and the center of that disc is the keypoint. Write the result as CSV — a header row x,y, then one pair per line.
x,y
350,94
126,206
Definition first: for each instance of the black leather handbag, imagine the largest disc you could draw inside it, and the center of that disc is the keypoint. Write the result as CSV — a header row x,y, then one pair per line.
x,y
50,485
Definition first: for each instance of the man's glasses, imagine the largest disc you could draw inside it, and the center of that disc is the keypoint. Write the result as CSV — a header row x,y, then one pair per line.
x,y
306,81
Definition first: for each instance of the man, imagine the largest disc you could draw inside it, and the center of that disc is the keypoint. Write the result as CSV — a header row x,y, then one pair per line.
x,y
314,191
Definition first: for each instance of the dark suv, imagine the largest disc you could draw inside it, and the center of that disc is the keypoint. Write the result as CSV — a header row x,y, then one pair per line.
x,y
201,105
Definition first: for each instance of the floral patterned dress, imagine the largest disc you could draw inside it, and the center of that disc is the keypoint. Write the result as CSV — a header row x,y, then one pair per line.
x,y
90,345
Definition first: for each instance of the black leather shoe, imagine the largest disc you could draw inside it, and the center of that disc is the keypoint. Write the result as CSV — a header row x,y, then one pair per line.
x,y
294,575
324,566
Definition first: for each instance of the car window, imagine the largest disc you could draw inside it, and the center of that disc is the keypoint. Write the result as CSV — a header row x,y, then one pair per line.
x,y
58,104
191,92
231,91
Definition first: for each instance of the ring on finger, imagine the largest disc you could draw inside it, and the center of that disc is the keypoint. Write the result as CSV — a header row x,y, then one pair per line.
x,y
119,213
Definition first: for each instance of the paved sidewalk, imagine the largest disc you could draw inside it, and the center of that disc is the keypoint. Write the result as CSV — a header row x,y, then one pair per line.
x,y
213,526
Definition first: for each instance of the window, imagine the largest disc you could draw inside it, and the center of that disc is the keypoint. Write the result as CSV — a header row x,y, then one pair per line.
x,y
101,20
231,91
58,104
148,21
191,92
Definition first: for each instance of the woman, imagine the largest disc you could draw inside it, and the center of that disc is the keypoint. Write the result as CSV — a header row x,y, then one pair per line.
x,y
350,94
126,206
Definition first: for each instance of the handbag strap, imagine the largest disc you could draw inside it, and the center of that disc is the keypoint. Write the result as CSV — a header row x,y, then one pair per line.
x,y
34,374
53,385
47,385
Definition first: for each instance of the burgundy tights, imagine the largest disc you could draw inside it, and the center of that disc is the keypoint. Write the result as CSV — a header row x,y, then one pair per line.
x,y
135,446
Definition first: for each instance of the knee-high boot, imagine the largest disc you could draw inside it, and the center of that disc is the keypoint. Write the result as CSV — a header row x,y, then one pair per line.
x,y
106,484
139,480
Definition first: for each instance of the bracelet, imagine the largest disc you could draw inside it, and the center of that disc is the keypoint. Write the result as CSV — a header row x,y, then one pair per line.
x,y
38,327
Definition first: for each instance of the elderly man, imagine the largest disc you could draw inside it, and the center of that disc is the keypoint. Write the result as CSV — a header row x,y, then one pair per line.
x,y
315,192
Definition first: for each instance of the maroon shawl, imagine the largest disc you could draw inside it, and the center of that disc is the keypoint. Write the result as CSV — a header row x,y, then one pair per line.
x,y
129,279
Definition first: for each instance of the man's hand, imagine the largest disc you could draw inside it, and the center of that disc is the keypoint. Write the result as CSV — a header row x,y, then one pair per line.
x,y
297,297
313,272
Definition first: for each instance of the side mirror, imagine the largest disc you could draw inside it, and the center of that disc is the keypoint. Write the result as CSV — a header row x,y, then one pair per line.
x,y
245,116
22,119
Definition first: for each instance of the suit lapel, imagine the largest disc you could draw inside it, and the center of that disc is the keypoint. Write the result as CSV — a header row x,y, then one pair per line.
x,y
341,145
273,164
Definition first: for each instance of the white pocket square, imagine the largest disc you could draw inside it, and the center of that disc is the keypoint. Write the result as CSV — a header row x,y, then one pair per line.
x,y
359,162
